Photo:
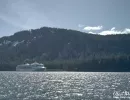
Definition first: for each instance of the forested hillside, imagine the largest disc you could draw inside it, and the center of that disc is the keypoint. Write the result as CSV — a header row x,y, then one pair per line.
x,y
66,49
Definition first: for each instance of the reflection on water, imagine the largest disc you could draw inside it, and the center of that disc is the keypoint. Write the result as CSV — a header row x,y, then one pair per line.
x,y
64,86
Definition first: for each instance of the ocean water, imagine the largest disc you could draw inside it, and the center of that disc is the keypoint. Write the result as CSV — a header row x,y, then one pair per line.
x,y
64,86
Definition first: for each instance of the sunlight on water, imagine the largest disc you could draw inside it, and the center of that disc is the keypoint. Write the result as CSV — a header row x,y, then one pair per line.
x,y
64,86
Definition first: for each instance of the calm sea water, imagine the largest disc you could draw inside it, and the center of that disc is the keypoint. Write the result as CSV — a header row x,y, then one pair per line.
x,y
64,86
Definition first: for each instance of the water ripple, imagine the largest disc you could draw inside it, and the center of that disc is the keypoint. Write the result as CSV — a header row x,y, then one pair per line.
x,y
62,85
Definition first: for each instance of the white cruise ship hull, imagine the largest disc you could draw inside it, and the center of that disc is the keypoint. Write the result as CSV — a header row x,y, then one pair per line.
x,y
31,67
38,69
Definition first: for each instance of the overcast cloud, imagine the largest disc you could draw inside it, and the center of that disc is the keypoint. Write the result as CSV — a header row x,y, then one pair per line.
x,y
93,15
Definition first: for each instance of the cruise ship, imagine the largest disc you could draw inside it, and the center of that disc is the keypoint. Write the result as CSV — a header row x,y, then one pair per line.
x,y
31,67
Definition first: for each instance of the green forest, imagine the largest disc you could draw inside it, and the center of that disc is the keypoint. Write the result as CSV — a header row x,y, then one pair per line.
x,y
66,49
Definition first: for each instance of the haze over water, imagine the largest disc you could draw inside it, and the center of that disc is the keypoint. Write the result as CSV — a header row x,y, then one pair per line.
x,y
64,86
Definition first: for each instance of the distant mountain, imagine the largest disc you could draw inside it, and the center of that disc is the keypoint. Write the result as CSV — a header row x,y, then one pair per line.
x,y
53,44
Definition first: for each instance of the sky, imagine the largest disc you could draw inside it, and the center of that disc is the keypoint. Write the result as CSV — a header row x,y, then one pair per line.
x,y
90,16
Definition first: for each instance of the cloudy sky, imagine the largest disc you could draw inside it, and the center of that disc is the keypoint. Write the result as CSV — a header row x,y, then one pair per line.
x,y
91,16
